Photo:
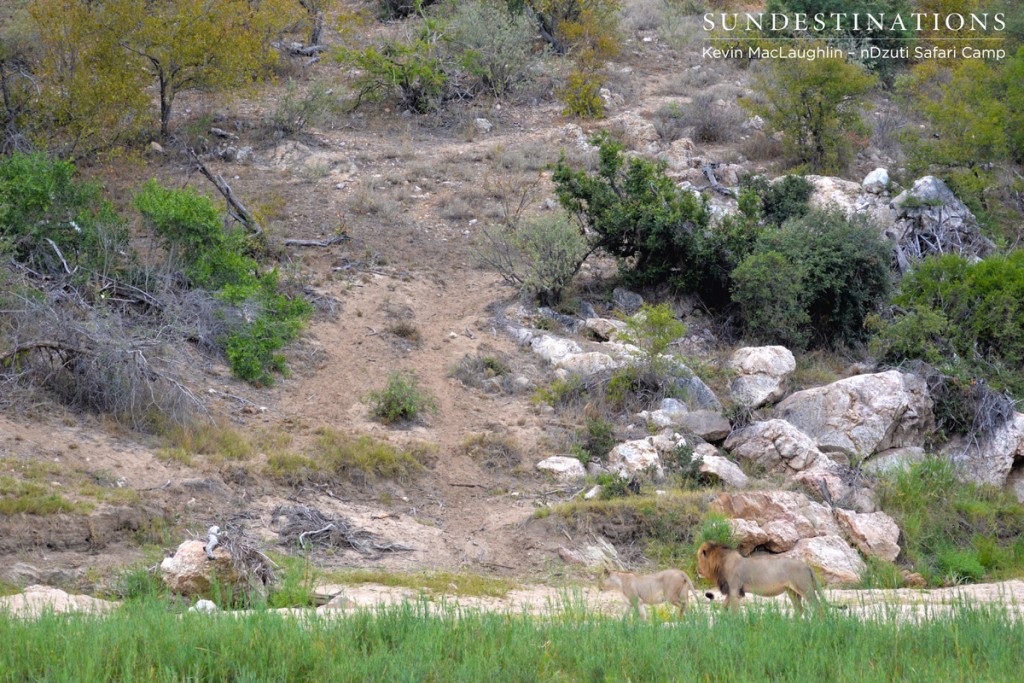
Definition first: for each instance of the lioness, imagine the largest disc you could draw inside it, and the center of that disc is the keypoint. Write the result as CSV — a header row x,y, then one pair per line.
x,y
761,575
652,589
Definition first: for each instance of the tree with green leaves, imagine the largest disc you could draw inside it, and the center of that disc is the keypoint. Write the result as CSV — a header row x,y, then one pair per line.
x,y
196,44
815,104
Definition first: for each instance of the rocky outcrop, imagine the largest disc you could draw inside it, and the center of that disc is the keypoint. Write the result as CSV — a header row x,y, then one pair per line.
x,y
38,600
862,415
775,445
562,468
630,457
190,572
603,328
587,364
774,520
876,182
761,374
851,199
988,458
931,220
718,468
875,534
707,424
553,349
838,562
894,460
635,131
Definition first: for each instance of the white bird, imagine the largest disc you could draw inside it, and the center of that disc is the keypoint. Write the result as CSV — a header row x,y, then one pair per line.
x,y
212,543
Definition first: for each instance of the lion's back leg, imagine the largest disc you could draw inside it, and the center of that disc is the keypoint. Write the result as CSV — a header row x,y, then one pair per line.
x,y
794,597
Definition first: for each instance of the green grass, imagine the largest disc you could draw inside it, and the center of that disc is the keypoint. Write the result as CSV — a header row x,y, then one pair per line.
x,y
18,496
437,583
406,643
667,528
955,532
343,454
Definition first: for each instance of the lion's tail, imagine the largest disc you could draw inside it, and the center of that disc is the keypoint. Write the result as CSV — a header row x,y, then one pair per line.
x,y
696,595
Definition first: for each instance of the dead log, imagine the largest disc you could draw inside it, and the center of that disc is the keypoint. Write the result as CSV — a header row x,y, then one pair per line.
x,y
709,173
236,209
317,243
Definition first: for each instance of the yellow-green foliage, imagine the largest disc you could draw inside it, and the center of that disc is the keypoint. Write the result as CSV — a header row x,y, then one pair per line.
x,y
815,105
668,527
33,498
217,442
438,583
343,454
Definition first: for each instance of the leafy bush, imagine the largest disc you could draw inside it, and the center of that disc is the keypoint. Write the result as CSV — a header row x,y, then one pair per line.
x,y
397,9
652,329
401,399
494,46
215,260
814,281
45,216
711,122
581,95
541,256
594,440
954,531
412,69
814,104
960,317
364,455
295,111
580,26
788,197
638,215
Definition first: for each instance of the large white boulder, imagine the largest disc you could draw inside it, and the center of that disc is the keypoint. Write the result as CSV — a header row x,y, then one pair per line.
x,y
876,182
563,468
553,349
191,572
722,469
37,600
774,444
587,364
839,563
774,519
761,374
630,457
988,459
863,415
875,534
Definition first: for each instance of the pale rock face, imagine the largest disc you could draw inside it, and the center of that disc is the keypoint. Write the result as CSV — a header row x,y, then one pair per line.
x,y
774,444
851,198
603,328
875,534
762,372
1015,483
553,349
629,457
783,516
636,131
587,364
863,415
562,468
876,182
838,562
190,571
37,600
990,459
723,469
894,459
707,424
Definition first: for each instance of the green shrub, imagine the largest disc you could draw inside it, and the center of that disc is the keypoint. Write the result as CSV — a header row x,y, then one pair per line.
x,y
215,259
342,454
787,197
638,215
541,256
401,399
40,203
814,281
493,46
954,531
563,392
965,318
595,440
652,329
581,95
815,105
412,69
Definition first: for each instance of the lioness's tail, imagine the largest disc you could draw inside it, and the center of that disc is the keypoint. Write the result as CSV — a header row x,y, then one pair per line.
x,y
696,595
819,591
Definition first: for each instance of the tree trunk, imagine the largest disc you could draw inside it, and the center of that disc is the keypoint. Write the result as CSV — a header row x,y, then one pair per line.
x,y
166,99
318,28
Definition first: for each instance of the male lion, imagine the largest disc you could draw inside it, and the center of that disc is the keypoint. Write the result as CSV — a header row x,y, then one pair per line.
x,y
761,575
652,589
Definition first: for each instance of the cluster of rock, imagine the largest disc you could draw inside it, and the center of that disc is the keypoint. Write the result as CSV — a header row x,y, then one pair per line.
x,y
823,446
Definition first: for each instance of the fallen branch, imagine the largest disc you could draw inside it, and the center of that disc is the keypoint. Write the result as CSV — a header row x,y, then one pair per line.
x,y
236,209
308,526
37,346
300,50
317,243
